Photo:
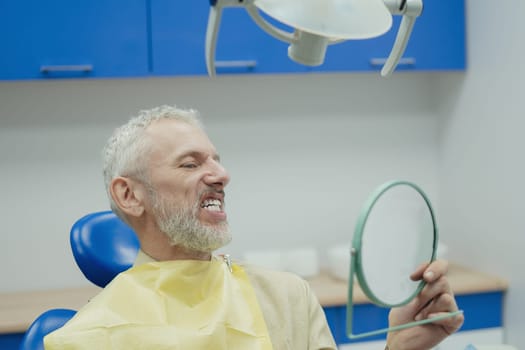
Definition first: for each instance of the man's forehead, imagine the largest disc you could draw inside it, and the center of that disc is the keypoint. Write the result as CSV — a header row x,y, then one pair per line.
x,y
173,131
179,138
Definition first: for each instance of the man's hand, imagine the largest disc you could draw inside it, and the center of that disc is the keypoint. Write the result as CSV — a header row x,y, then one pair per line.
x,y
435,299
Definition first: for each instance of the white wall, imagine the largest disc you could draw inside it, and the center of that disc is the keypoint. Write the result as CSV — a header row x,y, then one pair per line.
x,y
303,152
482,169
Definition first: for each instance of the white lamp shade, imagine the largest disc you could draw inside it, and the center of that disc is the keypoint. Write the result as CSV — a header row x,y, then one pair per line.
x,y
337,19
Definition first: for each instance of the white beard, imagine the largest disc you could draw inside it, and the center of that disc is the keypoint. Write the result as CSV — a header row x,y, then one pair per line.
x,y
183,228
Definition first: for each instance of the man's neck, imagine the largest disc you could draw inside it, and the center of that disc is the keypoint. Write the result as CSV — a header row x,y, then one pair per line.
x,y
157,244
163,250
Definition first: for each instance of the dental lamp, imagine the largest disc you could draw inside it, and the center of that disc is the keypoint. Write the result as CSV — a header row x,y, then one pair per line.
x,y
319,23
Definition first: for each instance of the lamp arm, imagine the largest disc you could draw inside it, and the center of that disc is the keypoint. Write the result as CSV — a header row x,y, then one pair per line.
x,y
214,21
410,9
267,26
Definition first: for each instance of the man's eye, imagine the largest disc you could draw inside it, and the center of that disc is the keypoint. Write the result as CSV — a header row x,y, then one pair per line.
x,y
189,165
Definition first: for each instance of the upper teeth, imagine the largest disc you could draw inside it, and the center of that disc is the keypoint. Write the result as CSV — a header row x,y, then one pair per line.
x,y
212,204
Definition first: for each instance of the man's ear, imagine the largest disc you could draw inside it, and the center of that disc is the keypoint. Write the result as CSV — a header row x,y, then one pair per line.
x,y
128,195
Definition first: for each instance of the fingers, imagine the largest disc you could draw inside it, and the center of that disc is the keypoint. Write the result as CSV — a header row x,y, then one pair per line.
x,y
418,274
437,299
436,284
430,272
432,291
449,324
440,304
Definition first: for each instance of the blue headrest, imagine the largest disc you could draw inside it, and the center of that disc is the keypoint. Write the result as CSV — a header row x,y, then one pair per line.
x,y
103,246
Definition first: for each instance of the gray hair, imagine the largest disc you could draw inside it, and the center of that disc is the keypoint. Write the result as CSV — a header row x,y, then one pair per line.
x,y
126,151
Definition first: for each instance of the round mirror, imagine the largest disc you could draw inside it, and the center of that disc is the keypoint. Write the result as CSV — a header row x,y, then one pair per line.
x,y
395,234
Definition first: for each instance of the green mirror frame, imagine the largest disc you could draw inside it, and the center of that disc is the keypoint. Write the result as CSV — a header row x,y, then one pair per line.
x,y
356,268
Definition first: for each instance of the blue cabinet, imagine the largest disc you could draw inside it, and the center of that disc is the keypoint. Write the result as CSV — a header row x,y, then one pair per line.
x,y
135,38
369,317
178,35
82,38
178,32
437,43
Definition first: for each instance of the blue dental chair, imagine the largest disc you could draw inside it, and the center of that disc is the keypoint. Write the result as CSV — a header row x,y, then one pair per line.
x,y
103,246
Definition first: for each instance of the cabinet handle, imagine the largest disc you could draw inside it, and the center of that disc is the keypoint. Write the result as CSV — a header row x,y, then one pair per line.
x,y
66,68
406,61
236,64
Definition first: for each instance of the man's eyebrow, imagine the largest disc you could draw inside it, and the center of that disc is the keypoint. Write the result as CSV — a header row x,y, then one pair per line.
x,y
196,154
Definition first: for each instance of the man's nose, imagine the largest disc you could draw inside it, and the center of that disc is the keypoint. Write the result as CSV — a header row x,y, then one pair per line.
x,y
217,175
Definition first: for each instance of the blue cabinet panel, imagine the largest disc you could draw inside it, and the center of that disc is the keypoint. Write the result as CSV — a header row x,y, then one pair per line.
x,y
11,341
437,43
481,310
178,36
367,317
82,38
134,38
240,39
438,40
178,32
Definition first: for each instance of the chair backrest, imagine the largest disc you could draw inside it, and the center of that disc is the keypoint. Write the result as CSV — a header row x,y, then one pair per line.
x,y
103,246
44,324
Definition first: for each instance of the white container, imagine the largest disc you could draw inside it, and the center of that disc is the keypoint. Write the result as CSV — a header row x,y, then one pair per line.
x,y
301,261
338,261
271,259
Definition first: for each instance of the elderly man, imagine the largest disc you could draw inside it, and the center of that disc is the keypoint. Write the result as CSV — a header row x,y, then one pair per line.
x,y
164,178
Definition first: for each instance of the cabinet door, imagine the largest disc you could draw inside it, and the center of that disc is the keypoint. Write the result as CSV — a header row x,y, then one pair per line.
x,y
437,43
81,38
241,40
438,40
178,31
178,38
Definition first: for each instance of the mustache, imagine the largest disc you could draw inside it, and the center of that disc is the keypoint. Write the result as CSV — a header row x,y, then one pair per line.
x,y
211,191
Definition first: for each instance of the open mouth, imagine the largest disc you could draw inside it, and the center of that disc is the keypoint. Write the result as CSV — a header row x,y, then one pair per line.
x,y
212,204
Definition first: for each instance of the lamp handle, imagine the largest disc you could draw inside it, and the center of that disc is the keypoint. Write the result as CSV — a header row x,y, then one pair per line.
x,y
410,11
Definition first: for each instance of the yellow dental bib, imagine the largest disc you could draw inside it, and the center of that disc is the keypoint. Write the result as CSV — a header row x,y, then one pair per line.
x,y
170,305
